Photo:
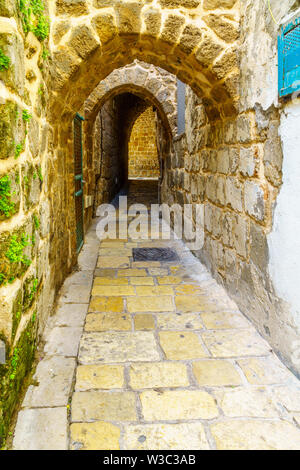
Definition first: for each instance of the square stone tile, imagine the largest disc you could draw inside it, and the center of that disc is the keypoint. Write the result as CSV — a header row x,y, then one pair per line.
x,y
256,435
181,404
105,273
63,341
132,272
150,304
94,436
216,373
188,303
153,290
80,278
171,321
184,436
234,343
144,321
112,291
106,304
287,397
113,262
117,251
188,289
181,345
247,402
41,429
107,322
158,375
224,320
158,271
97,376
71,315
76,294
107,281
106,406
169,280
264,370
54,376
138,346
142,281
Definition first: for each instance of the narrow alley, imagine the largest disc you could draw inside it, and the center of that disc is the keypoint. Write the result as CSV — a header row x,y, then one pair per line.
x,y
149,225
154,355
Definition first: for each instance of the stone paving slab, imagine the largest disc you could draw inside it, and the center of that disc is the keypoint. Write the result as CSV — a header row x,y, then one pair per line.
x,y
165,361
118,347
95,405
54,377
72,315
256,435
63,341
184,436
42,429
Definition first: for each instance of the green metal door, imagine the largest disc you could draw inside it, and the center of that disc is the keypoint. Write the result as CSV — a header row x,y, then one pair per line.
x,y
79,207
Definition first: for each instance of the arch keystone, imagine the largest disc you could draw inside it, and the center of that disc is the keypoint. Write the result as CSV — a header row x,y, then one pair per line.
x,y
105,26
83,41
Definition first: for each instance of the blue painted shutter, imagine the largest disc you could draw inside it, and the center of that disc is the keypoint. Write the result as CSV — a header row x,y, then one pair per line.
x,y
289,58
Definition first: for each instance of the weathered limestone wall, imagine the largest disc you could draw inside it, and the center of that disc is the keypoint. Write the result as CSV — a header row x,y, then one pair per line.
x,y
26,292
110,169
238,157
245,171
143,159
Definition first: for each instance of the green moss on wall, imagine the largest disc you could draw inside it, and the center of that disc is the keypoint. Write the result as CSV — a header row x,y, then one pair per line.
x,y
8,124
13,373
14,255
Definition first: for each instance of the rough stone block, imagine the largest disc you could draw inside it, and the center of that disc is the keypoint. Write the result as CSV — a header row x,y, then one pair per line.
x,y
184,436
2,352
94,436
83,41
139,346
173,405
71,7
254,200
41,429
181,345
54,377
216,373
99,377
94,405
63,341
234,194
12,46
11,128
256,435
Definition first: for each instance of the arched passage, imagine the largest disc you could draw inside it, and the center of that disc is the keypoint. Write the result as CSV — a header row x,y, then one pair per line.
x,y
196,45
153,83
107,136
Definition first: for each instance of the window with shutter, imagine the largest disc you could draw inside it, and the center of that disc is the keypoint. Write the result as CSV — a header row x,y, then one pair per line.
x,y
289,58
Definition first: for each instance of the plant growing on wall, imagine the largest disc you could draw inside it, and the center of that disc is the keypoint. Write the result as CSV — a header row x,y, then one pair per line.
x,y
33,18
7,207
4,61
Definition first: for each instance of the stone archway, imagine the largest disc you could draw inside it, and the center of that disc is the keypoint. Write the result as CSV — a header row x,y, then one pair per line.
x,y
144,80
101,178
197,44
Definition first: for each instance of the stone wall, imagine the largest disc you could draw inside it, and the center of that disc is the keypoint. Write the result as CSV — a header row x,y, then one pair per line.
x,y
235,157
143,159
109,167
26,291
234,167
